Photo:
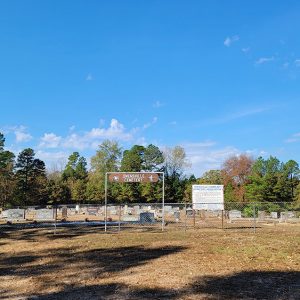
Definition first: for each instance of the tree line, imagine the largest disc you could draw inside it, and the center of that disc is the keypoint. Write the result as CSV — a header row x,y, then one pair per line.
x,y
24,179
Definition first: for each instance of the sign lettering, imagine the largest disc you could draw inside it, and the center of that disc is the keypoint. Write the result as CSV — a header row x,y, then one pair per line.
x,y
133,177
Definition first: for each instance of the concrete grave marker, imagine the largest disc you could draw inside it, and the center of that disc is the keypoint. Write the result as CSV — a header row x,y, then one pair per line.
x,y
274,215
261,215
64,212
177,216
189,212
129,218
15,214
44,214
235,214
92,211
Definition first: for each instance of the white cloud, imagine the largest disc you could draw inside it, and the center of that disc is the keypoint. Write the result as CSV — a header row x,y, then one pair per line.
x,y
263,60
230,40
50,140
246,50
297,62
158,104
55,160
173,123
21,134
88,139
239,115
285,65
294,138
89,77
149,124
72,128
204,156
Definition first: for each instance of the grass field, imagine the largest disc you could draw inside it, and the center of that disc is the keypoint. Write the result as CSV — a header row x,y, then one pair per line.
x,y
198,264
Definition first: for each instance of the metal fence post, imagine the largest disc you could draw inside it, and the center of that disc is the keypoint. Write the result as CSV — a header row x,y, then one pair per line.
x,y
163,204
105,206
55,213
194,218
254,218
222,218
185,217
119,225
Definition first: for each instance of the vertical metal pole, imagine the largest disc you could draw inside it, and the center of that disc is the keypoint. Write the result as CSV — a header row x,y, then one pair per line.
x,y
120,207
105,205
194,218
222,219
254,219
185,217
55,219
163,204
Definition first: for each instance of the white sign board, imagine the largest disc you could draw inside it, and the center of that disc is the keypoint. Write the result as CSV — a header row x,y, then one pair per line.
x,y
208,197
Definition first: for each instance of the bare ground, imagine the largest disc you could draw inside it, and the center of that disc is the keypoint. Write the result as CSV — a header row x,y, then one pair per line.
x,y
198,264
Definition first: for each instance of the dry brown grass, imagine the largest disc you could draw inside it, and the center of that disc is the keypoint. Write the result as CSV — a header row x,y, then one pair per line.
x,y
198,264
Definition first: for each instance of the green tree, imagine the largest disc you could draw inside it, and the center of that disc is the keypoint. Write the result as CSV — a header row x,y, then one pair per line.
x,y
175,162
139,159
132,160
272,180
211,177
58,192
31,180
107,159
75,175
153,159
7,182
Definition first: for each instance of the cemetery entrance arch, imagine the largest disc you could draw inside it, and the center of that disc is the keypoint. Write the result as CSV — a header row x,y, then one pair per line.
x,y
135,177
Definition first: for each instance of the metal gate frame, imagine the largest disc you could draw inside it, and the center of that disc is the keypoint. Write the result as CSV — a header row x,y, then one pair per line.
x,y
163,195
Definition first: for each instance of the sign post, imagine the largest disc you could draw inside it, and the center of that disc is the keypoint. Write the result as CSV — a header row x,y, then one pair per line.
x,y
137,177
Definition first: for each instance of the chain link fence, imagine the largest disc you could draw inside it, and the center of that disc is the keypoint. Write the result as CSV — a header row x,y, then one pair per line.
x,y
151,217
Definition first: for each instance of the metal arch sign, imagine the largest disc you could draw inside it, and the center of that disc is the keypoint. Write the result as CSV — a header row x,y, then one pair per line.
x,y
142,177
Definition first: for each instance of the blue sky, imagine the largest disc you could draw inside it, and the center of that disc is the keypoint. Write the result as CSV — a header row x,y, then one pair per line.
x,y
216,77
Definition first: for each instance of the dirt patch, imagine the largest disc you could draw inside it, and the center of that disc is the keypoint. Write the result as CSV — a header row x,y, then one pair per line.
x,y
198,264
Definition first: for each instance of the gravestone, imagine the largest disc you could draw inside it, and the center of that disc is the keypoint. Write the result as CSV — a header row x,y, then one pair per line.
x,y
125,210
92,211
189,212
290,215
44,214
129,218
285,215
112,210
235,214
64,212
137,209
261,215
168,208
15,214
274,215
4,214
147,218
177,216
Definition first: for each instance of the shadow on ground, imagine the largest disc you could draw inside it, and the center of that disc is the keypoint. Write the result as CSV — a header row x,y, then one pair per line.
x,y
244,285
74,231
61,267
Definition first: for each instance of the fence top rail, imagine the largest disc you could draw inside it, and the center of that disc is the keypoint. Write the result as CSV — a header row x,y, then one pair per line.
x,y
134,172
226,204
